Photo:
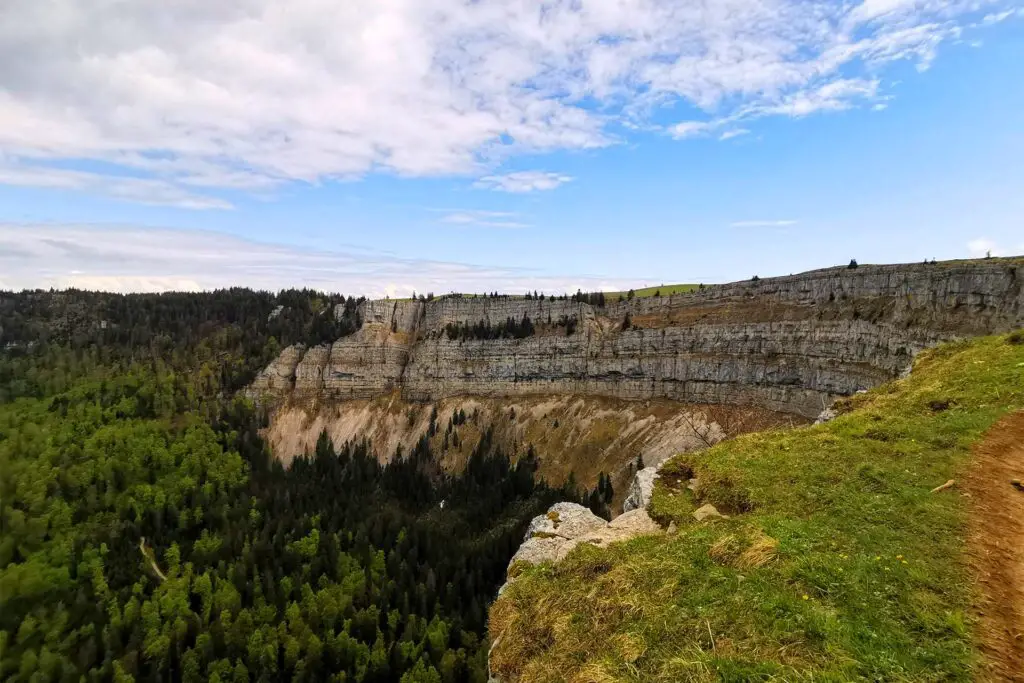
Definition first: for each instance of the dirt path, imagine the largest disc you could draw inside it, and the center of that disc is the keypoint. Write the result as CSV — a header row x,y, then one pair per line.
x,y
996,544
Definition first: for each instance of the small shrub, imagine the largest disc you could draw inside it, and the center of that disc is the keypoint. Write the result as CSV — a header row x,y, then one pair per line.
x,y
853,264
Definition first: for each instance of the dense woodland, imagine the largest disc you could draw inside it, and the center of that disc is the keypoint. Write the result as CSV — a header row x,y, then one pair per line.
x,y
147,535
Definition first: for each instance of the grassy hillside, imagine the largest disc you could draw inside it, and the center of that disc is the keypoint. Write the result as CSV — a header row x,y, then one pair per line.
x,y
837,561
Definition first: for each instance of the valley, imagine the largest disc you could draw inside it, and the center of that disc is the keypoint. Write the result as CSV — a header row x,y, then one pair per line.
x,y
240,485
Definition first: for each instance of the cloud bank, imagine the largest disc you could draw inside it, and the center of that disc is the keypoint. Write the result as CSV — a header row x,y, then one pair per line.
x,y
172,102
130,259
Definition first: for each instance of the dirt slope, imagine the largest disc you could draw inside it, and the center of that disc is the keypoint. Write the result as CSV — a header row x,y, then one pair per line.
x,y
583,435
997,548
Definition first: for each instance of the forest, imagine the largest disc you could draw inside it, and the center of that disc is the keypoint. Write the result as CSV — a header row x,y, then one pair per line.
x,y
147,534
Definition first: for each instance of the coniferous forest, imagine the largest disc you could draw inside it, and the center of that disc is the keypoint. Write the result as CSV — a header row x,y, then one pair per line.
x,y
147,534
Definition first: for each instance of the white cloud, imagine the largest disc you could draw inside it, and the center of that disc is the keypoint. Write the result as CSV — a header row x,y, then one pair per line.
x,y
145,259
251,94
997,17
834,96
523,181
762,224
689,129
484,219
733,133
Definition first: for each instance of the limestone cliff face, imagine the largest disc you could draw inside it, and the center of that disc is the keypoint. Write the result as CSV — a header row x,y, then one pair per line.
x,y
789,344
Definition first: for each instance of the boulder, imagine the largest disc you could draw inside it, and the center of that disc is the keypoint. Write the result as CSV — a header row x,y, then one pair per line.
x,y
566,520
543,549
553,535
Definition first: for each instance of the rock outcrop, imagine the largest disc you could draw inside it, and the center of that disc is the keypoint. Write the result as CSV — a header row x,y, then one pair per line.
x,y
565,526
788,344
552,536
641,489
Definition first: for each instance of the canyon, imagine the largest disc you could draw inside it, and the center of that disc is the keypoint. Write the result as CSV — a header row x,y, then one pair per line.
x,y
697,366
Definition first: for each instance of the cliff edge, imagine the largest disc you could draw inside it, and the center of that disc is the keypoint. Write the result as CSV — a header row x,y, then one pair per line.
x,y
788,344
863,548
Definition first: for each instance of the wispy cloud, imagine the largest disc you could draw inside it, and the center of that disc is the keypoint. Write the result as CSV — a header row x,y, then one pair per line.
x,y
836,95
523,181
140,190
733,133
762,224
484,219
255,94
996,17
147,259
689,129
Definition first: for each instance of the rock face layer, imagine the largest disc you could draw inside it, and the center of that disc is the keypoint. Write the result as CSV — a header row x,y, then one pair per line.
x,y
788,344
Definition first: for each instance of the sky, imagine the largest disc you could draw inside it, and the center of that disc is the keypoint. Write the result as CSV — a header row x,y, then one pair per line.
x,y
380,147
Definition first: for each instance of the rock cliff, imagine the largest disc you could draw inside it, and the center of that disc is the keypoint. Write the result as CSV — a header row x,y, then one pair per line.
x,y
788,344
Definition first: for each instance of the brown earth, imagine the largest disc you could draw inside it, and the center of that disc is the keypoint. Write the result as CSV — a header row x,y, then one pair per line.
x,y
996,548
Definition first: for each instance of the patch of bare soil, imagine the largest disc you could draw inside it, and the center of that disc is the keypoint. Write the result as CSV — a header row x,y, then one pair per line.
x,y
996,544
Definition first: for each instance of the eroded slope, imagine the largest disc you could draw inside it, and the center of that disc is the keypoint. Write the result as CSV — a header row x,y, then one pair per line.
x,y
582,435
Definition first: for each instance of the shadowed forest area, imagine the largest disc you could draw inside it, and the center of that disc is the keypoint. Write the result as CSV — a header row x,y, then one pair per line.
x,y
148,535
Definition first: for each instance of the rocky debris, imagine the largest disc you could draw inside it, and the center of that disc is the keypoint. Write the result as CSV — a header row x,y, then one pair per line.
x,y
641,489
708,511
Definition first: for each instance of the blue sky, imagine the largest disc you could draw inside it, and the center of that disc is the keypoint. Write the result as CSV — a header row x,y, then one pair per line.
x,y
695,148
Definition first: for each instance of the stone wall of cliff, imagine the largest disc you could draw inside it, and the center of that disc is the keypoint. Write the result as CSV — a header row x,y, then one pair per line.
x,y
788,344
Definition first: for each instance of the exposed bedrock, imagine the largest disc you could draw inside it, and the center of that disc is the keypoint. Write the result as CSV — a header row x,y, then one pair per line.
x,y
788,344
